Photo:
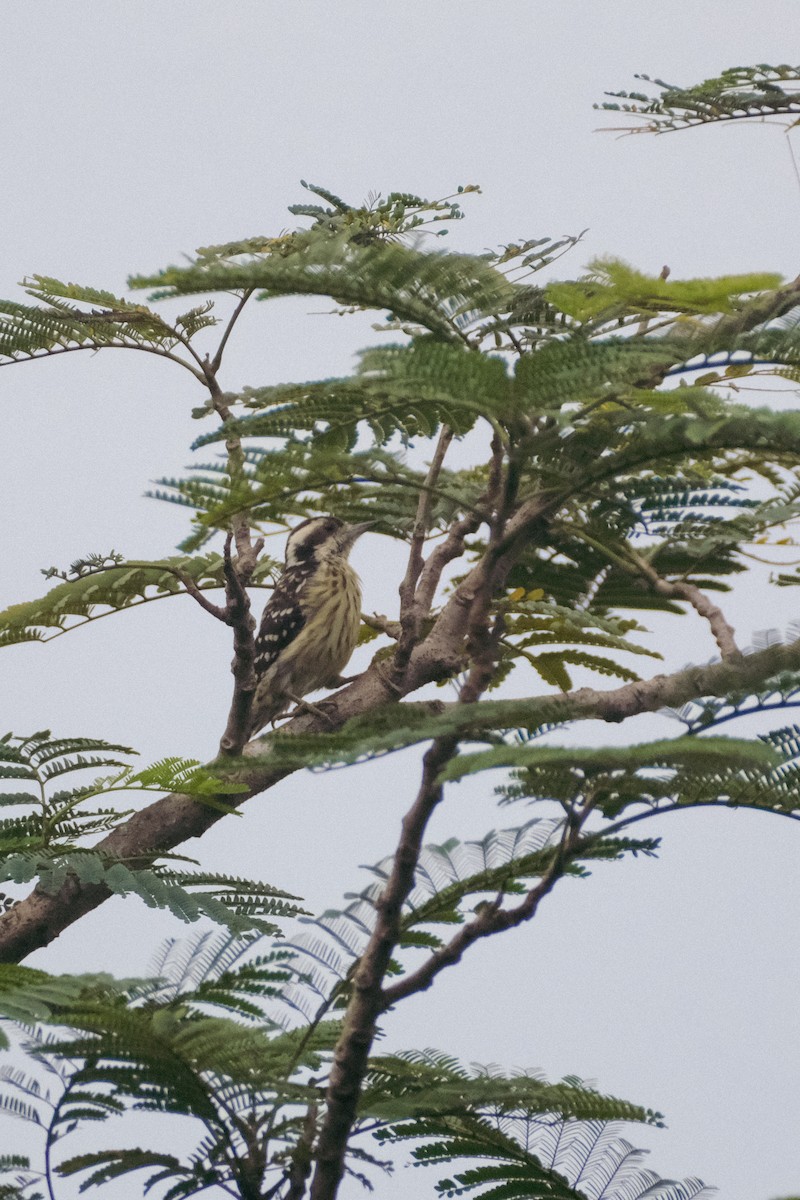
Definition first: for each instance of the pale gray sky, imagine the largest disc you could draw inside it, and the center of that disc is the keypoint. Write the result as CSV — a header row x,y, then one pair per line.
x,y
133,134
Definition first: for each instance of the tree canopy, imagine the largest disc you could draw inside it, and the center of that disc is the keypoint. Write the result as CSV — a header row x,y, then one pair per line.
x,y
559,458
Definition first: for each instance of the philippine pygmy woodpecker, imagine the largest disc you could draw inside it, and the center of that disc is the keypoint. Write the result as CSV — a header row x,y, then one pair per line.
x,y
310,625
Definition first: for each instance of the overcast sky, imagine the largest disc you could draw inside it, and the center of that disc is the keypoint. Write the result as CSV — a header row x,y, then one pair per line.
x,y
135,133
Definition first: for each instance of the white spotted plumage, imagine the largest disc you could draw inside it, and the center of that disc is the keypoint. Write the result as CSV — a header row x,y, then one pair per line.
x,y
310,626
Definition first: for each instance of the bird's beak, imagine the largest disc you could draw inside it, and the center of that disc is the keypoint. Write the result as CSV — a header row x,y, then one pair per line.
x,y
352,532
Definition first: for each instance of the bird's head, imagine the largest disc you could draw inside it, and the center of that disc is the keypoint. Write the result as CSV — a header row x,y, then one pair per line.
x,y
322,537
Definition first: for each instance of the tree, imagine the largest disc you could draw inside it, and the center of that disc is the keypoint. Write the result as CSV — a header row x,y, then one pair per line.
x,y
602,491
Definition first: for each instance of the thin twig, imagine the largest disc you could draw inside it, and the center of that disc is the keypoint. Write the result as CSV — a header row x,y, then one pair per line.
x,y
428,574
495,467
459,614
492,918
217,359
634,564
452,547
411,613
241,620
382,624
217,610
189,585
240,522
109,346
610,830
112,612
723,632
266,493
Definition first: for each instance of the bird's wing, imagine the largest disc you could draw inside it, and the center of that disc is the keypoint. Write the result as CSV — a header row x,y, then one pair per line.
x,y
282,620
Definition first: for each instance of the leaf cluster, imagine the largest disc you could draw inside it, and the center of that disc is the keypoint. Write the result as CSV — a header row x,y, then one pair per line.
x,y
69,316
526,1154
738,93
246,1082
604,403
304,478
102,584
47,842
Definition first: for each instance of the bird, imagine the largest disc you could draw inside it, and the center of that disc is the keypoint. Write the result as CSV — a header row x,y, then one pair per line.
x,y
310,624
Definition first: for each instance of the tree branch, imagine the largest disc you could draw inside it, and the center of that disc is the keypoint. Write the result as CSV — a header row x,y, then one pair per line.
x,y
36,357
41,917
246,551
722,631
630,700
440,556
367,999
445,641
352,1051
300,1161
191,588
189,585
634,564
480,583
491,919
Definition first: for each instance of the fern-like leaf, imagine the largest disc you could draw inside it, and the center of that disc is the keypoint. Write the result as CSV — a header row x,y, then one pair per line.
x,y
739,93
440,292
94,591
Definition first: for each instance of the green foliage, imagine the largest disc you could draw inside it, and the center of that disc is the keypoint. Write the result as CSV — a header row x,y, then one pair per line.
x,y
304,478
612,289
583,404
687,754
739,93
565,394
451,883
651,778
533,624
28,996
763,435
61,817
380,219
25,1184
53,818
72,317
448,878
408,390
443,293
152,1045
47,842
575,368
531,1156
239,904
101,584
413,1083
503,862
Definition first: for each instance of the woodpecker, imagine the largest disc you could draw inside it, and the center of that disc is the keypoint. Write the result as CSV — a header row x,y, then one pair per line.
x,y
310,625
